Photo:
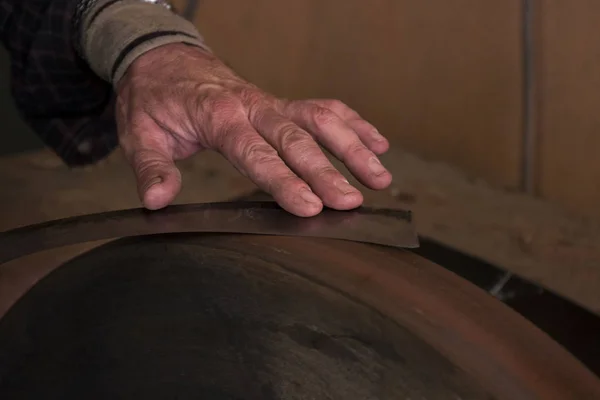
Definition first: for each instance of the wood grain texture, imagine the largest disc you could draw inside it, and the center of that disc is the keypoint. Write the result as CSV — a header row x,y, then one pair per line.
x,y
441,78
568,73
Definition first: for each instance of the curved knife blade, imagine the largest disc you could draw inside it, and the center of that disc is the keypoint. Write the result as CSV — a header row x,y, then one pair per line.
x,y
371,225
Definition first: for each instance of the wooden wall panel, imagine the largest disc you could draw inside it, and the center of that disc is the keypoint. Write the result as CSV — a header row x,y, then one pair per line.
x,y
442,78
179,4
568,74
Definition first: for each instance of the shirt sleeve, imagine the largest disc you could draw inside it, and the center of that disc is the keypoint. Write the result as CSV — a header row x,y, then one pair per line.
x,y
57,94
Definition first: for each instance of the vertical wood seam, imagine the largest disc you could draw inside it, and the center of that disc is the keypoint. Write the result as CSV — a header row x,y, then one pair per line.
x,y
530,139
190,9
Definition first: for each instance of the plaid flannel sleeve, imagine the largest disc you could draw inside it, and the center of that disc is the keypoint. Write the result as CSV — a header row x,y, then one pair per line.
x,y
57,94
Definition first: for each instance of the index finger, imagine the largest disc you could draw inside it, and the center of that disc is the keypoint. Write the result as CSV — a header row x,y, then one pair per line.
x,y
299,150
250,154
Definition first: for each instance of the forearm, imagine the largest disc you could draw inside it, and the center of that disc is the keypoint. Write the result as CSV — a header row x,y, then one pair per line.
x,y
56,92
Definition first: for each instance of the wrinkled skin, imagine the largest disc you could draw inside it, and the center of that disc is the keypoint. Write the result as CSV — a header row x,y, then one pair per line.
x,y
177,100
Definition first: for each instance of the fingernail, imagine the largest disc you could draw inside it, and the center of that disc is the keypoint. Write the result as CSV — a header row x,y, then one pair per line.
x,y
378,136
152,182
345,187
309,197
376,167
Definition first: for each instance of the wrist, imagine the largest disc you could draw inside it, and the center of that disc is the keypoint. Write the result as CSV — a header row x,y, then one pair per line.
x,y
176,65
167,59
115,33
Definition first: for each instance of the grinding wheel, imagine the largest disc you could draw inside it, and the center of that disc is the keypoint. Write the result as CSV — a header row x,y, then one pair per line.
x,y
271,317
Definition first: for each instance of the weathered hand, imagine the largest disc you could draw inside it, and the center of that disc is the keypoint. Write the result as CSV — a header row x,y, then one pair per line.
x,y
177,99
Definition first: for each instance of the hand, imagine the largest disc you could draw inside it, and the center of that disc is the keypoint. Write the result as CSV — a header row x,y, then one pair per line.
x,y
176,100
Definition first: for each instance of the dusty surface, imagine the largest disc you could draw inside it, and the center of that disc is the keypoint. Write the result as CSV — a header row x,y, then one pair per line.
x,y
40,187
529,237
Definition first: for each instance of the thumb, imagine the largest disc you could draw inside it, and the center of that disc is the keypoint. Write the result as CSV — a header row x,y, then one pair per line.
x,y
158,179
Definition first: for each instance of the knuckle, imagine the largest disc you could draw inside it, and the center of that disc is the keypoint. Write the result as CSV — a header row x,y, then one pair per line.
x,y
355,149
286,183
334,105
218,109
254,150
292,107
326,173
222,104
323,116
254,100
227,134
145,161
249,95
292,139
259,116
228,141
262,157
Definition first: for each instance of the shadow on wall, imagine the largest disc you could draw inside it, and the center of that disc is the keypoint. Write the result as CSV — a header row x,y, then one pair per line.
x,y
16,136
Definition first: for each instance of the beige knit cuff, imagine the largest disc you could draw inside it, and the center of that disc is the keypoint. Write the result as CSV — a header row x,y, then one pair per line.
x,y
114,34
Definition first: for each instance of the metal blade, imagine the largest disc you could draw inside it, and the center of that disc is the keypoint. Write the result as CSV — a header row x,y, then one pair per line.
x,y
371,225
